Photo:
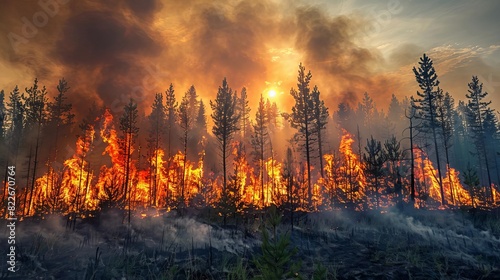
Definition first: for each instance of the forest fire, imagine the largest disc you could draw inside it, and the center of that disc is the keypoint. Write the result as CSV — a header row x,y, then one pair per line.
x,y
75,189
172,182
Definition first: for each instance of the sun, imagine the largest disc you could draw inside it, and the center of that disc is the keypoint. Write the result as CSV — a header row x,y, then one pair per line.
x,y
271,93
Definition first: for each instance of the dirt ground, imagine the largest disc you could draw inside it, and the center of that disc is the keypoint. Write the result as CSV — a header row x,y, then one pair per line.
x,y
341,244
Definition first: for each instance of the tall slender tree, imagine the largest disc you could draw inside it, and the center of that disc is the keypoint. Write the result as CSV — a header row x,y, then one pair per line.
x,y
35,103
302,119
129,129
259,140
225,118
60,116
374,159
244,110
427,108
157,121
185,121
16,117
320,115
445,108
477,111
171,114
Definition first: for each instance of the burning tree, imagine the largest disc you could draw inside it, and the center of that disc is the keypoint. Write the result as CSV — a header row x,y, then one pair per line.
x,y
157,120
185,115
129,129
259,140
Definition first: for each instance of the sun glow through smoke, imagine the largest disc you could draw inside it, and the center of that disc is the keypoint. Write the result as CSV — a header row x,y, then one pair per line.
x,y
271,93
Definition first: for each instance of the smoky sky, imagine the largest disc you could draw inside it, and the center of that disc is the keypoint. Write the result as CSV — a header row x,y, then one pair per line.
x,y
111,51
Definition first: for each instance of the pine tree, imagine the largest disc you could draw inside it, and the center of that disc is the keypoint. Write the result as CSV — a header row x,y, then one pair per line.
x,y
477,111
302,119
275,262
244,110
427,107
225,118
157,121
231,199
445,107
259,140
185,121
344,114
171,110
16,116
395,115
472,181
272,115
201,119
129,129
35,103
193,103
320,115
289,180
60,116
374,159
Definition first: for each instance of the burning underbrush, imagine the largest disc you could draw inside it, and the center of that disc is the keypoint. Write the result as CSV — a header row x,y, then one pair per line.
x,y
338,244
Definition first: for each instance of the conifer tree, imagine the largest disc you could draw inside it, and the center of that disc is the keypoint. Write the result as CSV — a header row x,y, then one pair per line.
x,y
374,159
157,122
129,129
426,105
478,110
259,141
185,121
171,115
225,118
302,119
320,115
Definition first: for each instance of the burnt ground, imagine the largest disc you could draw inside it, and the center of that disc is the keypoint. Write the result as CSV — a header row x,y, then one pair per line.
x,y
341,244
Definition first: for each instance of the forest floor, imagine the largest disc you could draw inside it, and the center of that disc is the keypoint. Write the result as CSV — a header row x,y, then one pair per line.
x,y
339,244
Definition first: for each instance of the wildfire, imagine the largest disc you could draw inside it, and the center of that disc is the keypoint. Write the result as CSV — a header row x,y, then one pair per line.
x,y
169,183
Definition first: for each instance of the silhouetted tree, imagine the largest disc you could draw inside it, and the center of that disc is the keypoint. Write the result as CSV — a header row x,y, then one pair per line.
x,y
478,109
259,140
374,159
472,181
427,107
225,118
129,129
60,116
394,155
231,198
35,103
201,119
157,122
185,121
320,115
171,112
244,111
302,119
445,108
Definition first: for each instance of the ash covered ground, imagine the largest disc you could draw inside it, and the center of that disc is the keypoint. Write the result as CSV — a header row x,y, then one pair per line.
x,y
339,244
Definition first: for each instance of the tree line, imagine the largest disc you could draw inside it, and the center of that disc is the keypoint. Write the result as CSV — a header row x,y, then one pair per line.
x,y
355,155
